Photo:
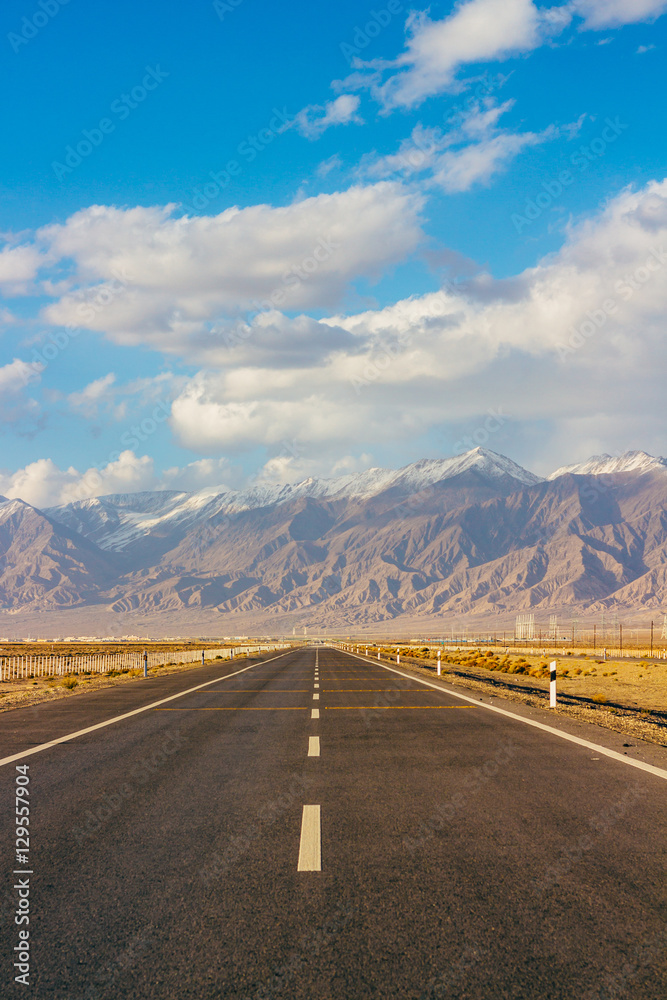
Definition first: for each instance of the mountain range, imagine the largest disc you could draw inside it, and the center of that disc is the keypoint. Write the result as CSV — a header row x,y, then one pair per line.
x,y
438,539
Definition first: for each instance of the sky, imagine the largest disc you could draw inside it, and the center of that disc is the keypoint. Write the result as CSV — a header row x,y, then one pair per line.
x,y
244,241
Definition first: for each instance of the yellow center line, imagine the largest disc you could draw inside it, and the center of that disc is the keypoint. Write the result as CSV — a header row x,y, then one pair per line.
x,y
383,708
229,708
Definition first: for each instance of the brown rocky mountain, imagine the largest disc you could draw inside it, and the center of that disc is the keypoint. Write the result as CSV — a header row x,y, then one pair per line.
x,y
475,535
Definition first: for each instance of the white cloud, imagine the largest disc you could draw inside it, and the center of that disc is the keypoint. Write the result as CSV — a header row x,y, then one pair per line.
x,y
580,334
613,13
19,266
481,31
43,484
313,120
15,376
459,170
167,279
483,149
476,31
17,407
88,400
216,473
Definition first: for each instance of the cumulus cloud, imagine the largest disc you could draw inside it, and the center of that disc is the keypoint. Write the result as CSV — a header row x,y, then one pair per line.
x,y
476,31
581,333
168,280
19,266
315,119
44,484
16,375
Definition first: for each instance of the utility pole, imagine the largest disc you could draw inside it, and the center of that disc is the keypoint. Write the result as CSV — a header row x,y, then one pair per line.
x,y
620,637
651,638
594,636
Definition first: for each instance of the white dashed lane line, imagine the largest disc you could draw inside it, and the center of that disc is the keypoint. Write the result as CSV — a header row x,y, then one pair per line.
x,y
313,746
315,714
310,848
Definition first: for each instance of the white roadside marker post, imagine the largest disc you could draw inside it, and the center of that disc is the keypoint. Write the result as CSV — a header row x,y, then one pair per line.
x,y
202,657
378,654
145,664
439,664
398,657
552,684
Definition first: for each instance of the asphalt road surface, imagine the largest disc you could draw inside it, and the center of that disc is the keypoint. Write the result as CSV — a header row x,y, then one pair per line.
x,y
320,827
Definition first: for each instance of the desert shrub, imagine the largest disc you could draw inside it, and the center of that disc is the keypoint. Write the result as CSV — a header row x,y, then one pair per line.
x,y
70,683
599,699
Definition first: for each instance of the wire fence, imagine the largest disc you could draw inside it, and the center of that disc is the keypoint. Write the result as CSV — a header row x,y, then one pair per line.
x,y
56,665
600,653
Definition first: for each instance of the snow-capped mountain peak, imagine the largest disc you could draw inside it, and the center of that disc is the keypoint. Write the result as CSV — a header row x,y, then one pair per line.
x,y
114,522
601,465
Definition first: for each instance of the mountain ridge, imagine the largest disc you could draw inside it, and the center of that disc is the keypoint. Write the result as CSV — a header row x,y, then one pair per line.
x,y
475,534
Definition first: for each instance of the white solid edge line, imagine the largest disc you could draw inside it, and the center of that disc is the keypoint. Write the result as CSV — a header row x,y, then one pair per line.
x,y
135,711
315,714
313,746
658,771
310,849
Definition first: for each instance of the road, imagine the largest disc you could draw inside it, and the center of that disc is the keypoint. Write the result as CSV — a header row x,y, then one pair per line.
x,y
319,827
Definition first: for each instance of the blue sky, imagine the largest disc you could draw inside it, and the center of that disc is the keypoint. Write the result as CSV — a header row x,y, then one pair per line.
x,y
241,240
